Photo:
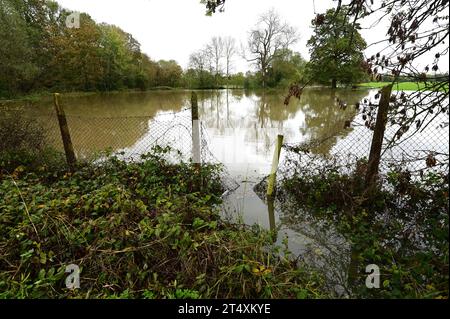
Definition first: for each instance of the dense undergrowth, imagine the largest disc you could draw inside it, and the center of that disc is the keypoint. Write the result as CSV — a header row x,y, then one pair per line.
x,y
402,226
136,230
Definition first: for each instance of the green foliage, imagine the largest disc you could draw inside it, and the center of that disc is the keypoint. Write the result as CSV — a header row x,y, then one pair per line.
x,y
137,230
236,80
404,86
199,79
23,144
17,58
336,49
39,52
402,227
287,68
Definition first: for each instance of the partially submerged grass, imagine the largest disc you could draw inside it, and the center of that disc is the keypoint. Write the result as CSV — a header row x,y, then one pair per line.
x,y
136,230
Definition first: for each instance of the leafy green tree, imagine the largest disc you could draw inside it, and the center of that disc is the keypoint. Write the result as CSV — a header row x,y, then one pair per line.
x,y
147,78
288,67
16,68
114,55
169,73
77,57
38,51
336,49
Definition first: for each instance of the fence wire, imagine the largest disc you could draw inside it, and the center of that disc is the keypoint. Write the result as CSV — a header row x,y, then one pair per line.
x,y
417,152
130,137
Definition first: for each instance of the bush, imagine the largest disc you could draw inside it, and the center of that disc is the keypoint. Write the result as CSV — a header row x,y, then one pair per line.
x,y
23,143
18,133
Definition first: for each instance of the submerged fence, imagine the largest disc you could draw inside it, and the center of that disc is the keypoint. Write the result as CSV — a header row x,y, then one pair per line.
x,y
93,138
414,152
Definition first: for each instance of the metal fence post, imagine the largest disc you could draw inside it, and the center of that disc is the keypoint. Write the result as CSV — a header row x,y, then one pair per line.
x,y
65,134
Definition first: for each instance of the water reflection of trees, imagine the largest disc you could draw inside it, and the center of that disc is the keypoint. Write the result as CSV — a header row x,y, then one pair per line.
x,y
324,118
263,115
322,247
260,116
107,121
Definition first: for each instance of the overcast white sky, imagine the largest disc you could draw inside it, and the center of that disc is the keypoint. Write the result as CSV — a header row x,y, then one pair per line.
x,y
173,29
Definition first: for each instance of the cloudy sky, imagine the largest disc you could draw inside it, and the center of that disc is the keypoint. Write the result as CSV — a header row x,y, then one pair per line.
x,y
173,29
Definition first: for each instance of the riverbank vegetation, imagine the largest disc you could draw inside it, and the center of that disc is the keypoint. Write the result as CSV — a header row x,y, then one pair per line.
x,y
142,229
47,48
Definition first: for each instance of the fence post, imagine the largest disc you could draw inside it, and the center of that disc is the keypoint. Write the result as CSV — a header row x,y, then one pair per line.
x,y
196,152
273,172
271,209
65,134
378,136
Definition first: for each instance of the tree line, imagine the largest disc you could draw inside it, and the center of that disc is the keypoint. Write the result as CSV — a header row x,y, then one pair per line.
x,y
40,52
336,49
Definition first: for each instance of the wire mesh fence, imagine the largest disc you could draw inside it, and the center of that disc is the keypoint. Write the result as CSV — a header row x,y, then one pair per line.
x,y
416,152
94,138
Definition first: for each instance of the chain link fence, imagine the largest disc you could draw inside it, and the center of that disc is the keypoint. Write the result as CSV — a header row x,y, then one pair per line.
x,y
94,138
418,152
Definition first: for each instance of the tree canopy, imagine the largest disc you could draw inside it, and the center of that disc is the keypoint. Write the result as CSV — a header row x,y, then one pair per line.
x,y
336,49
40,52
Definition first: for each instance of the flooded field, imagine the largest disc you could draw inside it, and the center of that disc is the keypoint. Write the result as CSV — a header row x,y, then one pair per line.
x,y
240,129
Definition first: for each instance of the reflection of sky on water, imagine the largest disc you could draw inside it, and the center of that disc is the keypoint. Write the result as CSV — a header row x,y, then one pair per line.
x,y
243,130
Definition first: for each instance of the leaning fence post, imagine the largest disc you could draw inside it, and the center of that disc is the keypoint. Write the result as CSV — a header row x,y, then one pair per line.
x,y
65,134
196,157
273,172
378,136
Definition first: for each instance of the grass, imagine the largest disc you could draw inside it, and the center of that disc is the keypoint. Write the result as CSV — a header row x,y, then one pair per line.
x,y
402,86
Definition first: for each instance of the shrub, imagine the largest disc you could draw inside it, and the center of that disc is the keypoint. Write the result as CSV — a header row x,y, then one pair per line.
x,y
23,143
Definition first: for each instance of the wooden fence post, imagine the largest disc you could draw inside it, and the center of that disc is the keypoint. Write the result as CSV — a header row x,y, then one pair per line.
x,y
196,144
65,134
273,173
378,136
271,209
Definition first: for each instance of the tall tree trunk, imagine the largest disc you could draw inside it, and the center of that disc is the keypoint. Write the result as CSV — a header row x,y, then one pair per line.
x,y
333,83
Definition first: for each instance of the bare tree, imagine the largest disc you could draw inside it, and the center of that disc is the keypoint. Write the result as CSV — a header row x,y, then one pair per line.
x,y
201,62
229,45
215,50
268,40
